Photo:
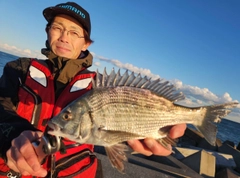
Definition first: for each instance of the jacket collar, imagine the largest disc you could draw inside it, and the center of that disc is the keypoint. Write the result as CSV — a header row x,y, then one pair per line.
x,y
66,68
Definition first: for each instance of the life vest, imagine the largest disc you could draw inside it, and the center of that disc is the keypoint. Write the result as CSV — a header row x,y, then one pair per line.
x,y
37,104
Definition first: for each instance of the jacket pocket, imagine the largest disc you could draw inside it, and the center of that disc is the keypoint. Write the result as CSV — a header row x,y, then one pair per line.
x,y
72,166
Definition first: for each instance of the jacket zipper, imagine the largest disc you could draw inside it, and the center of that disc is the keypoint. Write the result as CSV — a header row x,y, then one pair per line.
x,y
53,165
36,100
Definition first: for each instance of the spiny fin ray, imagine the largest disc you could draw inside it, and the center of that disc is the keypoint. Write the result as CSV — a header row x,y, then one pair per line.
x,y
164,89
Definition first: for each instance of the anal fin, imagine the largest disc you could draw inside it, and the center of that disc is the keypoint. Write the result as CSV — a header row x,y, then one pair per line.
x,y
166,142
116,154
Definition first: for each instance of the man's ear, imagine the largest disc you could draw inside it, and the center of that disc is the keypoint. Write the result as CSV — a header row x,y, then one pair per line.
x,y
47,44
47,29
86,45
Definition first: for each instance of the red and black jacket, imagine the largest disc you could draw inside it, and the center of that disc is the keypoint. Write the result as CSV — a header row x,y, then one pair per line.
x,y
37,104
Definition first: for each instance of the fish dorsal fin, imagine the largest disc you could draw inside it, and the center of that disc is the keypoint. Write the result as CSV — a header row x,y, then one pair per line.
x,y
158,86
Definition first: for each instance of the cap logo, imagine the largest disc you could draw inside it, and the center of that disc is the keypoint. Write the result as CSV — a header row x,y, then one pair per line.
x,y
74,9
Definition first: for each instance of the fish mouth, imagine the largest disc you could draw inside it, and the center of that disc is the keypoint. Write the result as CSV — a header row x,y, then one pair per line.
x,y
53,127
56,130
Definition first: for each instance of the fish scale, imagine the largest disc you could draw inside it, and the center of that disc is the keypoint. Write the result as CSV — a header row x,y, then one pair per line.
x,y
133,112
124,107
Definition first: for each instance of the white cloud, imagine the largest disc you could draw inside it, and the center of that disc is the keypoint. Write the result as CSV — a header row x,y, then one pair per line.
x,y
97,64
201,95
130,67
21,52
27,51
204,93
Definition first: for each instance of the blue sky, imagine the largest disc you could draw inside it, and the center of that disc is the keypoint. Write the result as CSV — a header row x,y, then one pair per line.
x,y
193,43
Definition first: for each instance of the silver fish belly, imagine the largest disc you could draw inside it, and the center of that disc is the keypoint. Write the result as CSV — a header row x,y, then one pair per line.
x,y
121,108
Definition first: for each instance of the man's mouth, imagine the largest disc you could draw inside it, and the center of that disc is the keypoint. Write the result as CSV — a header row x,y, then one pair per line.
x,y
63,49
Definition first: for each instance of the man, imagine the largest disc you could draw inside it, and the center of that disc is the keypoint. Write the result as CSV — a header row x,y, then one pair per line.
x,y
32,91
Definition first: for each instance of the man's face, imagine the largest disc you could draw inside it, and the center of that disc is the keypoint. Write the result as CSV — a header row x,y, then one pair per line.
x,y
65,37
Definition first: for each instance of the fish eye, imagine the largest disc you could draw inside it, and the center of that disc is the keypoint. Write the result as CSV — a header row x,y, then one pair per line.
x,y
67,116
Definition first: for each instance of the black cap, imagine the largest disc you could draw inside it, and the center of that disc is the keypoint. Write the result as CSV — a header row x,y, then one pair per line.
x,y
72,9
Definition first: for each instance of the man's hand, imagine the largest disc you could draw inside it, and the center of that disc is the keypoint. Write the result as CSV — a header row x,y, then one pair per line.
x,y
150,146
21,156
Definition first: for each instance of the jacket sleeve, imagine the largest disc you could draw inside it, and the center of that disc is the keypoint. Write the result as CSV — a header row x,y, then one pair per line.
x,y
11,124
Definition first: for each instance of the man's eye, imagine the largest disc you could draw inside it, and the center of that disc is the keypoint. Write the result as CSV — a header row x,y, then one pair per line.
x,y
74,33
57,28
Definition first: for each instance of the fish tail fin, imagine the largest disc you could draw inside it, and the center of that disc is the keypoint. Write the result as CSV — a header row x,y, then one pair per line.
x,y
206,124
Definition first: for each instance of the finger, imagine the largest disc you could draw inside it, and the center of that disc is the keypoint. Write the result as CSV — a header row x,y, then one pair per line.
x,y
13,167
11,162
177,130
139,147
156,148
30,157
17,162
23,156
33,136
26,167
29,154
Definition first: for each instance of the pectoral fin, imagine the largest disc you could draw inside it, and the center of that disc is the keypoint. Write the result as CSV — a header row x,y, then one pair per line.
x,y
116,155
